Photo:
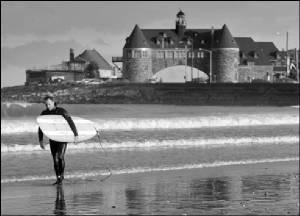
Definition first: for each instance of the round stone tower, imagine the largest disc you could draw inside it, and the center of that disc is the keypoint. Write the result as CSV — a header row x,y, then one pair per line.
x,y
137,61
225,57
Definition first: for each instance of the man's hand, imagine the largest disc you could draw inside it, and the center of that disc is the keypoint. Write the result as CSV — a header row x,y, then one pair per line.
x,y
42,144
75,139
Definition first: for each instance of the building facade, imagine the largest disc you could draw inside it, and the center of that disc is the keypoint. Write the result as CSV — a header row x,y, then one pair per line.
x,y
89,64
222,57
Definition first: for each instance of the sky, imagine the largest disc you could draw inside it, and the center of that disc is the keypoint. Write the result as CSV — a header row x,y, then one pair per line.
x,y
40,33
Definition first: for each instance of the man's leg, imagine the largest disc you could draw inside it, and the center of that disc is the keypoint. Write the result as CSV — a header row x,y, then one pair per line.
x,y
54,152
61,159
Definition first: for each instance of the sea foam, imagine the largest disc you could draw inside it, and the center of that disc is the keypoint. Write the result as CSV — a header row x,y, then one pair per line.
x,y
154,144
232,120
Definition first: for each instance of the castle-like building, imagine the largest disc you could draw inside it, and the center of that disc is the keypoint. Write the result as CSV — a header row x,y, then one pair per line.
x,y
215,52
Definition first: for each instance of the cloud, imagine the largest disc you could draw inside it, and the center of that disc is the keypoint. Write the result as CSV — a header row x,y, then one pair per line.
x,y
37,53
22,52
100,41
15,61
86,37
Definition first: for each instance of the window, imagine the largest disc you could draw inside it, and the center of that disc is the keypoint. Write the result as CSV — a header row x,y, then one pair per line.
x,y
201,54
129,54
169,54
176,54
137,54
242,54
160,54
250,63
144,54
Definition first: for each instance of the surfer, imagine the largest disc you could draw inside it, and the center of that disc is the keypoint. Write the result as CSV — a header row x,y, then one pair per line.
x,y
58,149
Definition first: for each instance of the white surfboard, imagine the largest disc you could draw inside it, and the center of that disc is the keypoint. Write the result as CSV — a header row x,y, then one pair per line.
x,y
56,128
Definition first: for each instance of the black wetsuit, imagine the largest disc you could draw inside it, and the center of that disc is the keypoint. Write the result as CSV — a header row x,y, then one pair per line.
x,y
58,149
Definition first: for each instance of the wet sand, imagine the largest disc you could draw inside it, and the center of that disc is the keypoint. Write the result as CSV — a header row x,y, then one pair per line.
x,y
266,188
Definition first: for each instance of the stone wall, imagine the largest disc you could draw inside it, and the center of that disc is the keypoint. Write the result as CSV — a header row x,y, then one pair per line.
x,y
160,64
137,69
231,94
202,64
225,64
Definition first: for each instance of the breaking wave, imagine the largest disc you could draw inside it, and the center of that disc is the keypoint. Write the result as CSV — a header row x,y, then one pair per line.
x,y
158,144
30,126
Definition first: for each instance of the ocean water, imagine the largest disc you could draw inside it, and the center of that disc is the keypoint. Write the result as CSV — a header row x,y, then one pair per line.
x,y
137,139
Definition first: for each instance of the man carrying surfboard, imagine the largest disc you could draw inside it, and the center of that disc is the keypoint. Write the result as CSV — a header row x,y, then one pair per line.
x,y
58,149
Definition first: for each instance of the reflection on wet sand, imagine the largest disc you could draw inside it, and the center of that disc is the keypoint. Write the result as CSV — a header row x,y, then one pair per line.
x,y
270,187
245,194
212,195
60,204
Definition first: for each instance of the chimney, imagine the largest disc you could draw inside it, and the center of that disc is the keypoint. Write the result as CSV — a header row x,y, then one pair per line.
x,y
71,55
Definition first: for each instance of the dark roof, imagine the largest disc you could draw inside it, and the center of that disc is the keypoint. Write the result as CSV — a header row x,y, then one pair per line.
x,y
226,39
79,60
94,56
264,50
171,39
202,38
136,39
152,35
245,44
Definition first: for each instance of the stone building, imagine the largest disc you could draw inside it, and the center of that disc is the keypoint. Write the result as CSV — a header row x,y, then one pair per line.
x,y
212,52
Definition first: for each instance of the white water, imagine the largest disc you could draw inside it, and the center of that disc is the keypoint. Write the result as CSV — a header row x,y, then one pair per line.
x,y
158,144
30,126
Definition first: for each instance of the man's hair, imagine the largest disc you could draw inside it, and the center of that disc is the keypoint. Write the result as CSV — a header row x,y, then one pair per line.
x,y
48,97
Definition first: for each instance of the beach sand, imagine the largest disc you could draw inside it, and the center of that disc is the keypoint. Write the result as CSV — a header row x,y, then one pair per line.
x,y
265,188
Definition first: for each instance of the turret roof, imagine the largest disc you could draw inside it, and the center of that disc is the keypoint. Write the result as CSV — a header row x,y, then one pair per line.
x,y
136,39
226,39
180,13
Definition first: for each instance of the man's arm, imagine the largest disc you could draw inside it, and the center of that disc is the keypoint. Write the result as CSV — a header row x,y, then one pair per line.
x,y
70,121
41,138
40,134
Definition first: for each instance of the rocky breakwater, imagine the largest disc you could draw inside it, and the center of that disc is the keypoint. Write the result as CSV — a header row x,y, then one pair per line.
x,y
73,93
248,94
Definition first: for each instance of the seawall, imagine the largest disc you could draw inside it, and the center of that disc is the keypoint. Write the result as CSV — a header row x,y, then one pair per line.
x,y
231,94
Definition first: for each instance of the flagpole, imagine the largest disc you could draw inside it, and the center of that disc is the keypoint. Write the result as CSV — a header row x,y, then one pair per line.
x,y
297,64
287,55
